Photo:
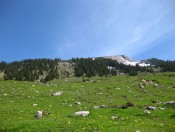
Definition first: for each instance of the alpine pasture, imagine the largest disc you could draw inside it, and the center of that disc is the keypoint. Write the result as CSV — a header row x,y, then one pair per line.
x,y
114,103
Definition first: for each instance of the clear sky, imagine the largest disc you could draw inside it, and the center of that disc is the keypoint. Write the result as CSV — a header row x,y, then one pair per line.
x,y
64,29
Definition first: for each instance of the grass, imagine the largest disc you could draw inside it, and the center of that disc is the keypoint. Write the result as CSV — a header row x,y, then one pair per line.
x,y
17,99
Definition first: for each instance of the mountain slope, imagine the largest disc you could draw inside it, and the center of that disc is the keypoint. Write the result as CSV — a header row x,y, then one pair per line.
x,y
126,60
44,70
152,61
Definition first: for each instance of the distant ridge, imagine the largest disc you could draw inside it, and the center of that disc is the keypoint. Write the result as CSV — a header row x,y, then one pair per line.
x,y
44,70
127,61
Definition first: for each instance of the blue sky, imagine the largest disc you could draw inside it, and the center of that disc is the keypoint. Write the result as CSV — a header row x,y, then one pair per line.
x,y
64,29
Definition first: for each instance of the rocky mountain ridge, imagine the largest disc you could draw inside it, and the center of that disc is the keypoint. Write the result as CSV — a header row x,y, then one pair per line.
x,y
128,61
43,70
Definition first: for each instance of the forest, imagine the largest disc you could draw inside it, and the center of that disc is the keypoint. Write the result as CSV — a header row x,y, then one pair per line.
x,y
44,70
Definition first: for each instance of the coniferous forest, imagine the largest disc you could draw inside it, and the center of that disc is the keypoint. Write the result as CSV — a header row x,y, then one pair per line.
x,y
44,70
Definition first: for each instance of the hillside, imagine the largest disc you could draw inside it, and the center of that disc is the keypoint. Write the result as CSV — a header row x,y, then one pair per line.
x,y
44,70
118,103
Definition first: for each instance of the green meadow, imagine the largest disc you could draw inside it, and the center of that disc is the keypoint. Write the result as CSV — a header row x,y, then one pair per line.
x,y
124,97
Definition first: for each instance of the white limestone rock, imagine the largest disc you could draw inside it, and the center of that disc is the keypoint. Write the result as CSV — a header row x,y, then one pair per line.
x,y
82,113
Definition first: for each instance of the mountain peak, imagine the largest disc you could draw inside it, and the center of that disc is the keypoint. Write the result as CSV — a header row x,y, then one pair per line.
x,y
126,60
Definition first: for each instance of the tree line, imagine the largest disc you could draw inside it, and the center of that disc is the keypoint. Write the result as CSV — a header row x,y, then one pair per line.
x,y
103,66
44,70
30,70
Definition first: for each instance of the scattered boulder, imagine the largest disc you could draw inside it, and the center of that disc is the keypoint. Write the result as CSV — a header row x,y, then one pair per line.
x,y
103,106
117,88
156,85
93,81
96,107
147,82
5,94
162,108
170,102
142,86
157,102
147,112
82,113
143,80
78,103
34,104
65,101
115,117
145,91
57,93
150,82
70,105
39,114
150,107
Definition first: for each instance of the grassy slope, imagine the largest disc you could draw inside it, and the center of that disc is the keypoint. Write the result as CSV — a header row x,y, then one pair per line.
x,y
17,110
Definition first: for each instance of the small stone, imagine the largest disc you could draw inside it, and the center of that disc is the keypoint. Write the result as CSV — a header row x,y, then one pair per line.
x,y
147,112
142,86
82,113
78,103
34,104
143,80
96,107
156,85
115,117
170,102
162,108
57,93
39,114
70,105
103,106
145,91
150,107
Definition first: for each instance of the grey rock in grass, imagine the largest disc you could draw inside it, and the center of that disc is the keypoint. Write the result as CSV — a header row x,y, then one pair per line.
x,y
170,102
82,113
57,93
96,107
156,85
143,80
150,107
115,117
34,104
39,114
78,103
147,112
142,86
162,108
70,105
103,106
